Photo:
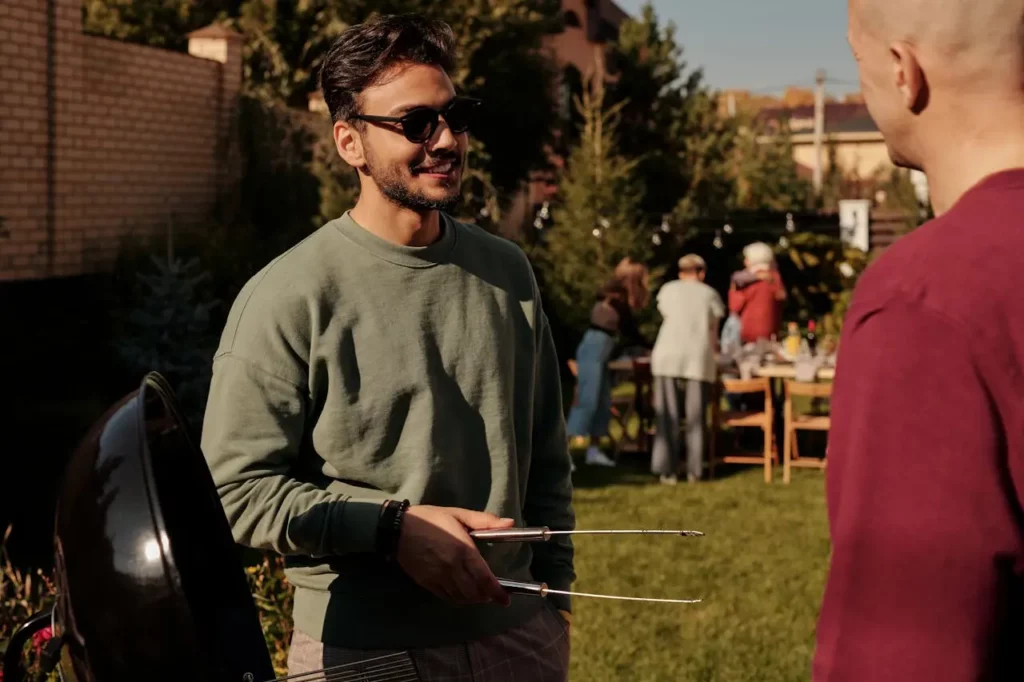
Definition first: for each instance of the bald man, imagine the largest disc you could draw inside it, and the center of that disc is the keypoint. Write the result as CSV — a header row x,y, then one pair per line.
x,y
926,453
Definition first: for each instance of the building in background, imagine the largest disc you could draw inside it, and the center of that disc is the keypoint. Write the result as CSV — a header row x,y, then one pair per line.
x,y
104,141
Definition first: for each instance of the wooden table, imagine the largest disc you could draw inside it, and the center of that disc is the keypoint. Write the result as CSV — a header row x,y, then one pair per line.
x,y
628,408
625,364
789,372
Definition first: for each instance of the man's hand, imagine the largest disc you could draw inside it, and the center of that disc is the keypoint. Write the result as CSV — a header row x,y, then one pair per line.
x,y
435,550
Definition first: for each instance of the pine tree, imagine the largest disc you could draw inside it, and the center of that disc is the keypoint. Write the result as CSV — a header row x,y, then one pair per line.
x,y
766,173
597,220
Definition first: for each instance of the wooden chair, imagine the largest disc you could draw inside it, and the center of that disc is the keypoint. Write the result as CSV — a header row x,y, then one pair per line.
x,y
643,403
802,422
763,420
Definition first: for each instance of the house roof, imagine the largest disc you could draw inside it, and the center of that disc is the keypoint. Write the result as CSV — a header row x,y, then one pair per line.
x,y
839,118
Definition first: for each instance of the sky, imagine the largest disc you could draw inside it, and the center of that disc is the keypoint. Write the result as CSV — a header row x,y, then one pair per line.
x,y
761,44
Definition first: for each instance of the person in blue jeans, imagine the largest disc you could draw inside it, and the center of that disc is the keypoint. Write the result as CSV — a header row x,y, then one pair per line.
x,y
611,323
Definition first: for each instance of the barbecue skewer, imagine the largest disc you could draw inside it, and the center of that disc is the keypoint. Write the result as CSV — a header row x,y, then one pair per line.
x,y
543,534
542,590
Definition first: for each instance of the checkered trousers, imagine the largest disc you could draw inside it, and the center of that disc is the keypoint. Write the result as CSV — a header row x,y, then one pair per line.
x,y
537,651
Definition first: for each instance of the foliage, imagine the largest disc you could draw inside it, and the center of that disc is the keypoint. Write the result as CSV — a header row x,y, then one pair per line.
x,y
899,195
670,124
168,326
820,273
273,596
285,43
22,595
157,23
766,172
596,222
833,180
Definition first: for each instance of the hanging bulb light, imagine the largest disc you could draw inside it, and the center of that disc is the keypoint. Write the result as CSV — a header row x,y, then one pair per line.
x,y
718,240
656,239
484,212
604,223
665,227
596,232
790,225
538,223
727,229
783,242
545,211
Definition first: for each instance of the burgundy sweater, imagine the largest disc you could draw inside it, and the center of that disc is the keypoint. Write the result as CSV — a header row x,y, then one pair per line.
x,y
926,456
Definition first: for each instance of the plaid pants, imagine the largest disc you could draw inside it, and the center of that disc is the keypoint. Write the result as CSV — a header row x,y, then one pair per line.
x,y
537,651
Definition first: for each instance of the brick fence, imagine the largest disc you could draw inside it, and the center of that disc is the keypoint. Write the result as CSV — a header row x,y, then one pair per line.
x,y
101,140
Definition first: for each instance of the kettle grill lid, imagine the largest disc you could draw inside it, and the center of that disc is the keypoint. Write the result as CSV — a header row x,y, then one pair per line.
x,y
150,579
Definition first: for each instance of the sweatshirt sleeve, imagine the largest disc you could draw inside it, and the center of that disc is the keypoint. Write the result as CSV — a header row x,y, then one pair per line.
x,y
549,487
921,509
252,432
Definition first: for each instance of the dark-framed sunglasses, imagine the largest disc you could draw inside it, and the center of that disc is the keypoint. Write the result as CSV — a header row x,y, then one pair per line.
x,y
419,125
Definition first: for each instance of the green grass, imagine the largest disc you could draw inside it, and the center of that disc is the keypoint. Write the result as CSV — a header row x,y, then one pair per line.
x,y
760,571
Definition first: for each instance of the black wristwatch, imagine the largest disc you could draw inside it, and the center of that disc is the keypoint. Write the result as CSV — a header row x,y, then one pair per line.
x,y
389,526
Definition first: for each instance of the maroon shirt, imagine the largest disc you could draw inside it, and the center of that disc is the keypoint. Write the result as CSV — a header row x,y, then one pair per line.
x,y
926,456
759,306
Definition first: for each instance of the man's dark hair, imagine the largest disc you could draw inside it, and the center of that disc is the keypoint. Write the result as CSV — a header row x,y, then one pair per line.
x,y
364,54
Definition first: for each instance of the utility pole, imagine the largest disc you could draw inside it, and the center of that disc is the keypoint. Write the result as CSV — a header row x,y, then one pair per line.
x,y
819,127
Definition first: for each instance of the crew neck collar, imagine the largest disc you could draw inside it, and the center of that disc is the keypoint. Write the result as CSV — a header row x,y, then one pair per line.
x,y
406,256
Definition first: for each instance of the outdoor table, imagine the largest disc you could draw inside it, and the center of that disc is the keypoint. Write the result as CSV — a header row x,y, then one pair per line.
x,y
788,371
781,372
624,410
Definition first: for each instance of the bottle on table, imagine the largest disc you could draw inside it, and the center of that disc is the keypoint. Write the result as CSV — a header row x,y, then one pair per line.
x,y
812,339
792,342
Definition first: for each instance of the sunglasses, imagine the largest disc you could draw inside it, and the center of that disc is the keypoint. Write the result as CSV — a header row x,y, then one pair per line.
x,y
419,125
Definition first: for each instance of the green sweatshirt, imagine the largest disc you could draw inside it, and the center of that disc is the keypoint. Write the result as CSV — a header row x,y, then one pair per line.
x,y
352,370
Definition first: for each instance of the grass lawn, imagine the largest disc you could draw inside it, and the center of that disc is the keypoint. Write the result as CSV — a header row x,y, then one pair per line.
x,y
760,571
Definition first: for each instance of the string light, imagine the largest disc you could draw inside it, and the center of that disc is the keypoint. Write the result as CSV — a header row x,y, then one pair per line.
x,y
783,242
718,239
538,223
728,228
665,226
545,211
604,223
484,212
790,225
596,232
656,239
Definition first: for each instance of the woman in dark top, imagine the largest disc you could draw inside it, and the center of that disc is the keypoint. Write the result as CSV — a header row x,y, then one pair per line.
x,y
611,318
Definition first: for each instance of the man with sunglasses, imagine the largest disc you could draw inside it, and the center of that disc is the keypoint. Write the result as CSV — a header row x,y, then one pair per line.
x,y
390,384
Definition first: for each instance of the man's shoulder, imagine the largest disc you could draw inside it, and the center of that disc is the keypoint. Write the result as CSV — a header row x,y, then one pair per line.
x,y
962,265
492,255
279,295
483,241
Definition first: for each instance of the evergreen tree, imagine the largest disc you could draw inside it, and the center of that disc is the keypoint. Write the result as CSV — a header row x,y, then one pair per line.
x,y
670,123
597,220
766,176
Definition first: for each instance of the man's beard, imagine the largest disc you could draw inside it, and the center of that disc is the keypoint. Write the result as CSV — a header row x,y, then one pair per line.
x,y
393,185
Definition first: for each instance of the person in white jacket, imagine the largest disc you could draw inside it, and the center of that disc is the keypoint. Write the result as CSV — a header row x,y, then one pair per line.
x,y
684,369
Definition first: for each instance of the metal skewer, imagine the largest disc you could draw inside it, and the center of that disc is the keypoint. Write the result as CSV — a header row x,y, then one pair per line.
x,y
543,534
542,590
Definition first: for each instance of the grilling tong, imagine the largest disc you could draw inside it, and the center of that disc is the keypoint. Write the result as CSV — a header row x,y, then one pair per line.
x,y
543,534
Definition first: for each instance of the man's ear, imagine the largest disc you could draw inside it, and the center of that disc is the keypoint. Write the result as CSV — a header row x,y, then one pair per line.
x,y
349,144
909,77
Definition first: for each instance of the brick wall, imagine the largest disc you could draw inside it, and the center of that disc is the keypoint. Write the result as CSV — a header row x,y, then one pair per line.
x,y
101,140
